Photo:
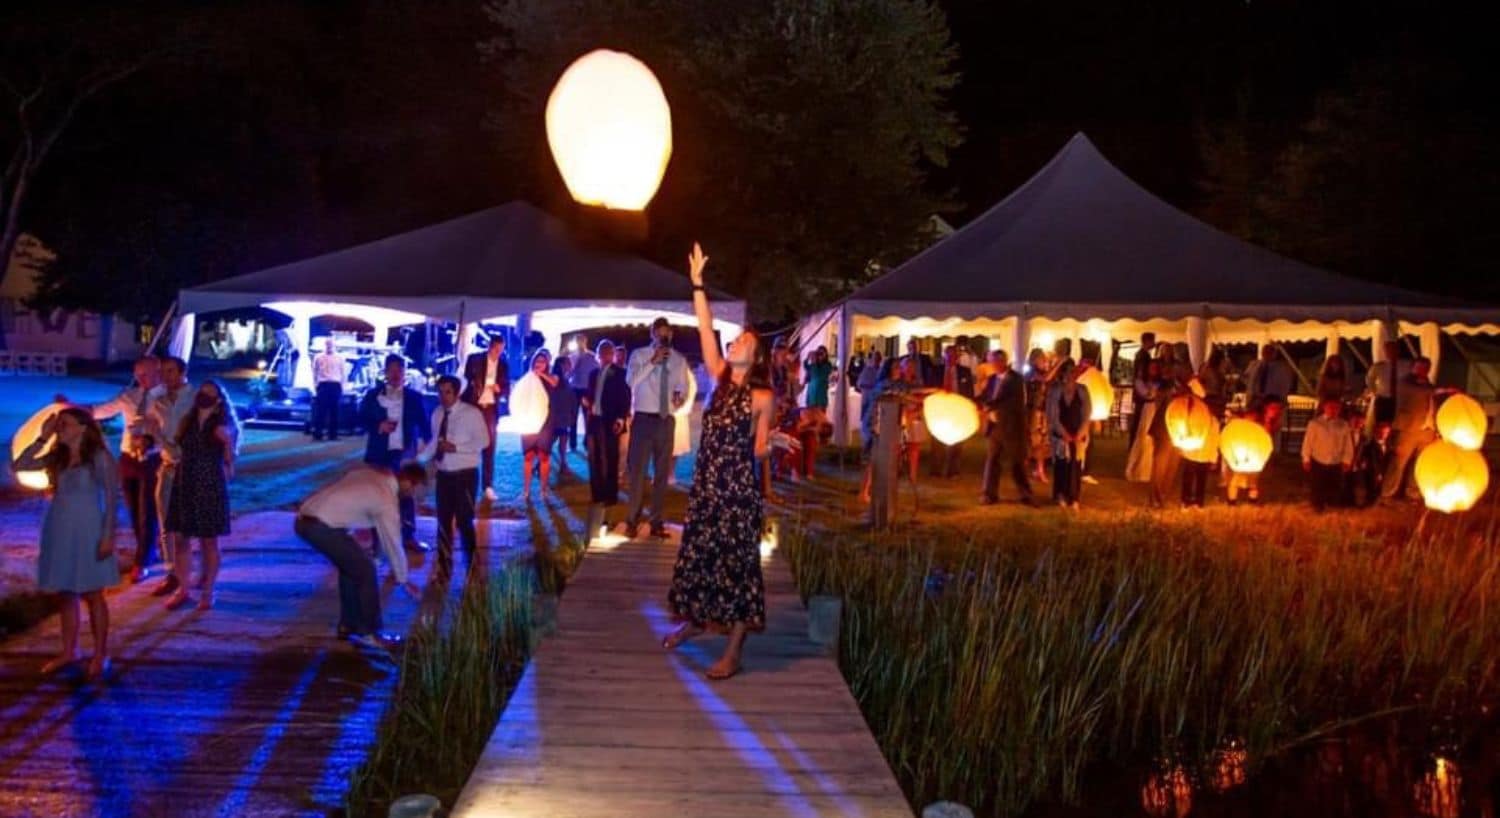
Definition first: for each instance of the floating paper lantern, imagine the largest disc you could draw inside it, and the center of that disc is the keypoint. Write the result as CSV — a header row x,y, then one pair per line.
x,y
1101,394
1189,422
1209,451
528,406
610,130
1245,445
25,436
951,418
1451,479
1461,421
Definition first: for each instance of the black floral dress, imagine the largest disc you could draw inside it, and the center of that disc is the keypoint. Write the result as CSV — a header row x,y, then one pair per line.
x,y
717,581
200,492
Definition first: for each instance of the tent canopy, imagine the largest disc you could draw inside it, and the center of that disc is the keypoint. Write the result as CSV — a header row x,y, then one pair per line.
x,y
506,260
1081,241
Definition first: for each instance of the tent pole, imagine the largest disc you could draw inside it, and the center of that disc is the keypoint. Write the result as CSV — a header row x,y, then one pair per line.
x,y
1293,364
460,349
161,329
841,397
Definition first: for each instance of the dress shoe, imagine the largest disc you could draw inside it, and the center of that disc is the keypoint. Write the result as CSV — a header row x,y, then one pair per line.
x,y
167,586
383,642
418,545
988,501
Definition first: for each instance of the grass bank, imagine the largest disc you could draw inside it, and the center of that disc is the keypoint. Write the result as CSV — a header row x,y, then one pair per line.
x,y
1058,660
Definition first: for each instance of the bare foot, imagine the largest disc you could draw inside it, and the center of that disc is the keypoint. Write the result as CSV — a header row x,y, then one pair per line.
x,y
180,599
59,662
98,666
684,632
726,668
206,602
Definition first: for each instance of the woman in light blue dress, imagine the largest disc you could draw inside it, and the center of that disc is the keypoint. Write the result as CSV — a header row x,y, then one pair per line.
x,y
77,554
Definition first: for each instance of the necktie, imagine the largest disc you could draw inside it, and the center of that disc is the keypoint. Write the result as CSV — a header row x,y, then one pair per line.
x,y
662,376
442,435
599,390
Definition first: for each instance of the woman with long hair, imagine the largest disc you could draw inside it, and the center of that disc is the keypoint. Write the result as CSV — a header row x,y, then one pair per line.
x,y
1039,436
77,550
562,412
209,439
717,583
536,448
1068,420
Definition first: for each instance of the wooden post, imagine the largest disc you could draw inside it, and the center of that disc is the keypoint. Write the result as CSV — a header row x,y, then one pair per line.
x,y
883,465
824,614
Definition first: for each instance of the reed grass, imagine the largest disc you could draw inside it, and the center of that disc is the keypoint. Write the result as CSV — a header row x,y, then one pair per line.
x,y
1003,666
455,678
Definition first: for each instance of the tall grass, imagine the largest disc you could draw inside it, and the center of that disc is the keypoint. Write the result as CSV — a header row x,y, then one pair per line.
x,y
454,681
1007,667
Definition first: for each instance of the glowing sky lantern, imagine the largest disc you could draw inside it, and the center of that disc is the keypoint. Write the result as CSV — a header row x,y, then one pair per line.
x,y
1189,422
951,418
528,406
25,436
610,130
1451,478
1462,422
1101,394
1245,445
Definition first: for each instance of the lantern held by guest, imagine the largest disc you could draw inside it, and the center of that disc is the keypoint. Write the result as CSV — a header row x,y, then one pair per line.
x,y
1189,422
610,130
528,406
1451,479
951,418
1101,394
25,436
1246,446
1461,421
1209,451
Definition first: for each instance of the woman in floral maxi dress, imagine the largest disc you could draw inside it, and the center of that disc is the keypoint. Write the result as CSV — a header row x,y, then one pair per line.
x,y
716,583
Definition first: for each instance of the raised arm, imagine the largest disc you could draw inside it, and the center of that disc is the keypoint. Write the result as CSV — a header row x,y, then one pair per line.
x,y
713,360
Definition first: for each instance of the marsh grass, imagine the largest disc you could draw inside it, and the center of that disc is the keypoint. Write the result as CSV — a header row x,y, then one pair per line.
x,y
455,677
1006,666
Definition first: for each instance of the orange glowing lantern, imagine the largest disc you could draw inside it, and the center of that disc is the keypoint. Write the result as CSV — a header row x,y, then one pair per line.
x,y
25,436
1231,767
1168,794
1462,422
610,130
1209,451
1451,479
1245,445
528,406
1101,393
1189,422
951,418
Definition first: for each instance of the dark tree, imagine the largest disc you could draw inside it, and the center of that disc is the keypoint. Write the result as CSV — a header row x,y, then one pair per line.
x,y
803,130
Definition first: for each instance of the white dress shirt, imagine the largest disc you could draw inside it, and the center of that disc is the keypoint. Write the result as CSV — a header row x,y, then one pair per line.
x,y
363,498
466,432
393,404
328,367
487,397
645,380
1328,442
132,404
166,413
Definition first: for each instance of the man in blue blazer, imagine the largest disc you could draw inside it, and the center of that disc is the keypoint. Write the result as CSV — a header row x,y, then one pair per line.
x,y
398,425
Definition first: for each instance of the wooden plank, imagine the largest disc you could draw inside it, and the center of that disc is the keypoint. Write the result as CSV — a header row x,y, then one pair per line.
x,y
607,723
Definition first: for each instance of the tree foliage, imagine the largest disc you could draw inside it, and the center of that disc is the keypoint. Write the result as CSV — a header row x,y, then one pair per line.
x,y
803,129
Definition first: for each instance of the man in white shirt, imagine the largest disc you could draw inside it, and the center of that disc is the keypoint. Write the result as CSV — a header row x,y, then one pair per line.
x,y
1327,453
455,448
363,498
1381,381
328,374
171,401
140,460
486,385
658,377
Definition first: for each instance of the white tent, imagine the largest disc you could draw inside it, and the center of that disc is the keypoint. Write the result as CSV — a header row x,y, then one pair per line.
x,y
1081,251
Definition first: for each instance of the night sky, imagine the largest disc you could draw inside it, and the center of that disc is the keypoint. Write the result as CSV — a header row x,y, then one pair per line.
x,y
294,128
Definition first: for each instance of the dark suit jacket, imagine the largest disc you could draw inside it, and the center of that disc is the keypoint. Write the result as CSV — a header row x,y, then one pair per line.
x,y
474,371
615,402
965,380
416,424
1009,406
928,373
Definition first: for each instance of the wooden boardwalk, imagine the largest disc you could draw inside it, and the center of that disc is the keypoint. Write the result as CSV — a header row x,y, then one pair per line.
x,y
252,709
607,723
